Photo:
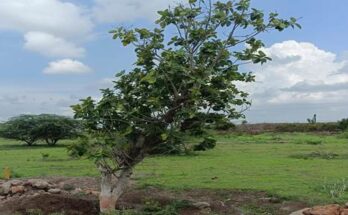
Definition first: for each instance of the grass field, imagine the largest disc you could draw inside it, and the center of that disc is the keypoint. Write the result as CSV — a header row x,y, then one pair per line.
x,y
298,166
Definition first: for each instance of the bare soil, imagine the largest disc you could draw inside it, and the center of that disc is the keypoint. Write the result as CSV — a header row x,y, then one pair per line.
x,y
221,201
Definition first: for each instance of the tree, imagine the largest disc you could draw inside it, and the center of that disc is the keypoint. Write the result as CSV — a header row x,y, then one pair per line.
x,y
186,70
23,128
53,128
30,128
343,124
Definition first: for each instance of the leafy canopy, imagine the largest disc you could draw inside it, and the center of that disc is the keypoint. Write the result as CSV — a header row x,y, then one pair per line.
x,y
185,77
30,128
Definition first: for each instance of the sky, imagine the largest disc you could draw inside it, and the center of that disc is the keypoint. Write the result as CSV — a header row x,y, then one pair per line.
x,y
55,52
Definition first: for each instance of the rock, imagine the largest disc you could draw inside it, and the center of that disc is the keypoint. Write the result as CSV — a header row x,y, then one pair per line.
x,y
16,182
77,191
67,187
300,212
17,189
54,191
5,188
2,198
38,183
344,211
201,205
92,192
324,210
35,194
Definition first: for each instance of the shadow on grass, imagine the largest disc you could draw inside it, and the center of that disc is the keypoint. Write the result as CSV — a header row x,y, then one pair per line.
x,y
26,147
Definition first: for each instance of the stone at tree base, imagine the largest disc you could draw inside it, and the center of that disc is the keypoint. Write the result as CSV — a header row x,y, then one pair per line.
x,y
201,205
16,182
300,212
54,191
17,189
344,211
38,183
5,188
92,192
324,210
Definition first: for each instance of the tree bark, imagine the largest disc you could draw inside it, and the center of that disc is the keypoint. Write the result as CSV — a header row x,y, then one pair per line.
x,y
112,188
51,142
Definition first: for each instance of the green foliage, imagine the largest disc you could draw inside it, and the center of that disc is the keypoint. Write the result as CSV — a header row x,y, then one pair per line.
x,y
207,143
22,128
343,124
30,128
314,142
53,128
178,79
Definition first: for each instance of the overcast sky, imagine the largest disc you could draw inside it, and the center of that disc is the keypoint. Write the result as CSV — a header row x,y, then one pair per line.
x,y
54,52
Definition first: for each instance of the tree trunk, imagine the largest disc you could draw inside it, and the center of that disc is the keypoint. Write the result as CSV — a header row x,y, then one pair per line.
x,y
112,188
51,142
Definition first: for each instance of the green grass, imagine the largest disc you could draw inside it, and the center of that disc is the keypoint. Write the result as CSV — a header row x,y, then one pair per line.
x,y
267,162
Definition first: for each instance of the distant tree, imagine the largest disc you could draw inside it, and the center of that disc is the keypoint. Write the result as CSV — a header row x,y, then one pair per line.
x,y
187,68
343,124
23,128
30,128
53,128
313,120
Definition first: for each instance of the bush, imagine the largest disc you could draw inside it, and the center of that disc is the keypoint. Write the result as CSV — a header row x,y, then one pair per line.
x,y
343,124
335,189
30,128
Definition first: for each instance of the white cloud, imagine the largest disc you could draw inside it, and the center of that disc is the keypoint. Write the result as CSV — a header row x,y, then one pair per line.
x,y
51,46
130,10
59,18
66,66
300,75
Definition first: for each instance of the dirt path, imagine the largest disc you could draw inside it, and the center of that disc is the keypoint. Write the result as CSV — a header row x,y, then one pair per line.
x,y
78,197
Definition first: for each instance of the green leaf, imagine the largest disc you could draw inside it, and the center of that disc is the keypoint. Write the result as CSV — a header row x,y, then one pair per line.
x,y
164,136
150,77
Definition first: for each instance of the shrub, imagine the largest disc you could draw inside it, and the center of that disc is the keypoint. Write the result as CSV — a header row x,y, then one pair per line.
x,y
343,124
335,189
314,142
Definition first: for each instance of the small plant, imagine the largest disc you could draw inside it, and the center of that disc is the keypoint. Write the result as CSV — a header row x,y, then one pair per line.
x,y
314,142
260,210
45,156
335,189
7,173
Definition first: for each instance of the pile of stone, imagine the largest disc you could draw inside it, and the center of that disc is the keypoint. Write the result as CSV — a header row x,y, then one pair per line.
x,y
324,210
32,187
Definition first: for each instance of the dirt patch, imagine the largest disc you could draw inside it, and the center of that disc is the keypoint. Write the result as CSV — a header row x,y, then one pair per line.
x,y
49,203
79,203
